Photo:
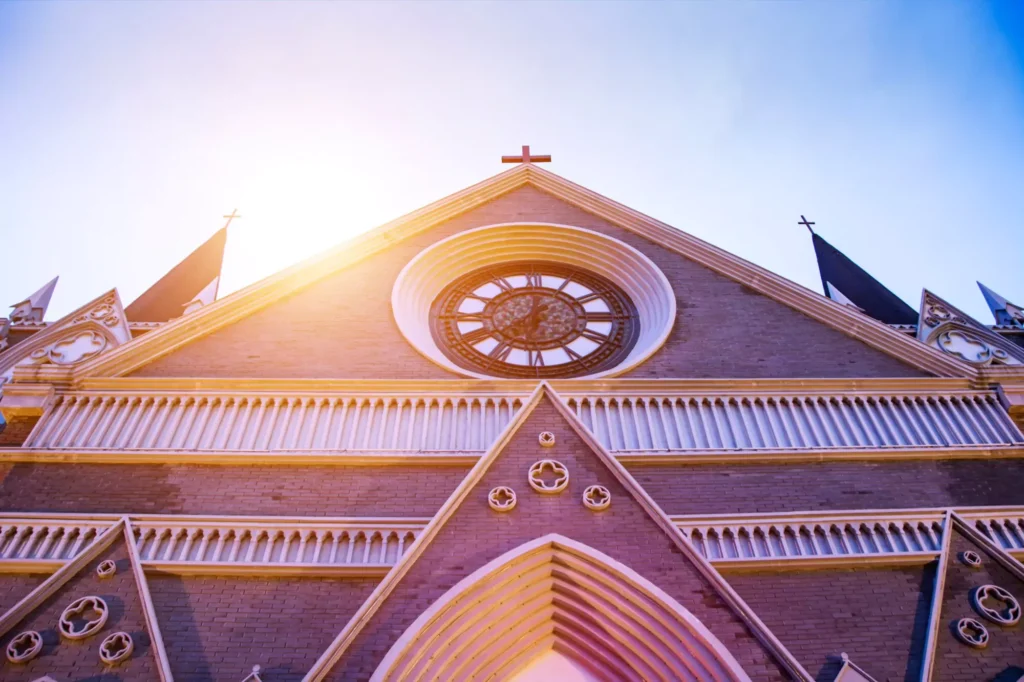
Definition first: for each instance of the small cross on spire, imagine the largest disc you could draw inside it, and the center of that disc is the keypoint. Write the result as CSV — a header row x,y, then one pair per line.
x,y
234,214
526,158
806,223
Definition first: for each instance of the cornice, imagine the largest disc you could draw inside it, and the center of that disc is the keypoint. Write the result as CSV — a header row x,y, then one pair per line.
x,y
178,333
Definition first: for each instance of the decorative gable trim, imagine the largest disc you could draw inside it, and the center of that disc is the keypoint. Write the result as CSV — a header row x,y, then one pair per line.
x,y
954,332
334,652
121,529
851,672
257,296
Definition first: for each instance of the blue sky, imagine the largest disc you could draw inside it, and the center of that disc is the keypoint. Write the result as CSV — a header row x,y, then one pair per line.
x,y
128,129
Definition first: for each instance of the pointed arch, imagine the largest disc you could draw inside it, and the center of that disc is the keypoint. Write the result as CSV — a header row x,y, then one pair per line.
x,y
556,593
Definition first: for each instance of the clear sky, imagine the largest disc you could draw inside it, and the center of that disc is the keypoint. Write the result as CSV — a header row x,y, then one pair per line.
x,y
128,129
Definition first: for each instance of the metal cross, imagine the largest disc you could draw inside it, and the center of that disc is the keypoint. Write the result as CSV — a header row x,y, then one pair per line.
x,y
234,214
526,158
806,223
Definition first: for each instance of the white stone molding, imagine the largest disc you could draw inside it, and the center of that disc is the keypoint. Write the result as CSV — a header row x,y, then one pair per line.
x,y
24,647
649,634
946,327
971,632
851,672
106,569
80,608
116,647
46,540
1003,615
546,439
969,558
437,266
502,499
535,475
597,498
631,425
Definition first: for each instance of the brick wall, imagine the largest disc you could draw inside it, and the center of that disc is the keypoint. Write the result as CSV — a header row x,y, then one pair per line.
x,y
767,488
879,616
79,659
256,490
955,661
475,535
17,431
343,327
216,628
15,586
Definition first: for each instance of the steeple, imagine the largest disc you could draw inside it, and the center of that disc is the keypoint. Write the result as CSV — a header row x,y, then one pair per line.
x,y
33,308
1004,311
846,282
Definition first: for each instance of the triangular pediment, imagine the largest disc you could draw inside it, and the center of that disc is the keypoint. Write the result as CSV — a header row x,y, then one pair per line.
x,y
583,515
387,238
951,330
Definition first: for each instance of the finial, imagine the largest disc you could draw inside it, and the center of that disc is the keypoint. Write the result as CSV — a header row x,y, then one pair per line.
x,y
33,308
806,223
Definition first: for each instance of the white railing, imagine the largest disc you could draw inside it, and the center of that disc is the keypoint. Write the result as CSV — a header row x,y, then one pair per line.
x,y
681,423
350,544
1007,531
46,540
424,424
275,423
787,538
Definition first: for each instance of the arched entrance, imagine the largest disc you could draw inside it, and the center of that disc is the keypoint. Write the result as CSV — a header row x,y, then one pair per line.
x,y
557,595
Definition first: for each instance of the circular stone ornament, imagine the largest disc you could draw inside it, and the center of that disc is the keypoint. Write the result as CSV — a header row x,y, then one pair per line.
x,y
969,558
116,647
597,498
1006,614
502,498
553,468
79,610
24,647
971,632
546,439
106,569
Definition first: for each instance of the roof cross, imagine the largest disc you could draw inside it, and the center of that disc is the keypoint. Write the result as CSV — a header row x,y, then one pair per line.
x,y
234,214
526,158
806,223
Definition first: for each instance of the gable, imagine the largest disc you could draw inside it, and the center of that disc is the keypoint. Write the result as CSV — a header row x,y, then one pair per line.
x,y
343,325
470,534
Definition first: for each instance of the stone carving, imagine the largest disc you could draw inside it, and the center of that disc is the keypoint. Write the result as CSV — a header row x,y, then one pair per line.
x,y
106,569
83,617
71,348
547,439
971,632
558,476
970,558
104,311
502,498
24,647
116,647
597,498
1005,611
936,314
969,347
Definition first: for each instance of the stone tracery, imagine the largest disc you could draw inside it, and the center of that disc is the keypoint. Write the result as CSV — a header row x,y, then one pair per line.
x,y
76,621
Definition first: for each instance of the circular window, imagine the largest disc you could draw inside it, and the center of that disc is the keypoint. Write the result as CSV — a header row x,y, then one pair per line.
x,y
534,319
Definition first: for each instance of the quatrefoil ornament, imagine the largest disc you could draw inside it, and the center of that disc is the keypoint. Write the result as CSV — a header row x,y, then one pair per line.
x,y
597,498
1007,611
502,498
971,632
548,476
83,617
547,439
969,558
24,647
116,647
106,569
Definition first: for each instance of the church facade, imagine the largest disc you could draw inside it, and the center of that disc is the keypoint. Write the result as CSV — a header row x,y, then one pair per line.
x,y
523,433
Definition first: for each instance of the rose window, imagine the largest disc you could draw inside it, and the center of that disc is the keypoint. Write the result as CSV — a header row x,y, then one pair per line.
x,y
548,476
535,319
83,617
996,604
24,647
116,647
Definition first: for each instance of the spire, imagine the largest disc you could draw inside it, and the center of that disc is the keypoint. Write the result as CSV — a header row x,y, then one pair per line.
x,y
857,287
191,284
33,308
1004,311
